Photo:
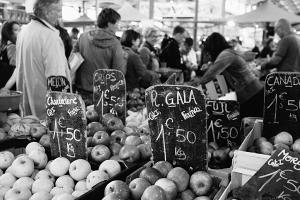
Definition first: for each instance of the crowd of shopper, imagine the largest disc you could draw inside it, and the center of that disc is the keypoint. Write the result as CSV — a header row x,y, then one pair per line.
x,y
42,48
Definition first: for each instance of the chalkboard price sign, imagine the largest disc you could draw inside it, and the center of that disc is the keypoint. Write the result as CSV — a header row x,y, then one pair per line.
x,y
66,122
282,104
58,84
110,93
224,123
177,120
278,177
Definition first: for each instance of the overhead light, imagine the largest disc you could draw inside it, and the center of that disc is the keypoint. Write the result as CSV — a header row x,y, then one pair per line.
x,y
231,23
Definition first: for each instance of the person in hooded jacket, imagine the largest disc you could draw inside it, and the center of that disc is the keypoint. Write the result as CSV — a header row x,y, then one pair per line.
x,y
100,49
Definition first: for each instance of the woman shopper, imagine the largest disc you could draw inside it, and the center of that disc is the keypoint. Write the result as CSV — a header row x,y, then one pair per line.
x,y
137,74
231,64
9,34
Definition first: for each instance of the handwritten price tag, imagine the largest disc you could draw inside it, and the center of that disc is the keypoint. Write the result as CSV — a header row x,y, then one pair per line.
x,y
177,119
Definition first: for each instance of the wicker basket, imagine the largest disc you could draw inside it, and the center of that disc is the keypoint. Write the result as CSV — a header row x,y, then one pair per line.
x,y
10,101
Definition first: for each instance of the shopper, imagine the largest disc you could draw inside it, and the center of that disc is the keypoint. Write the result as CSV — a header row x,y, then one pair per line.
x,y
170,56
189,59
40,54
74,35
9,34
267,51
148,53
231,64
100,49
287,56
137,74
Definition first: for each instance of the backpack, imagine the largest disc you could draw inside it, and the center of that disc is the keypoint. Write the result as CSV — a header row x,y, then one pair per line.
x,y
6,70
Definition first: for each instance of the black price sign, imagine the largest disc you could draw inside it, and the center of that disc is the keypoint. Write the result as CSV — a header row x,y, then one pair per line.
x,y
279,176
110,93
177,120
224,123
66,122
58,84
282,104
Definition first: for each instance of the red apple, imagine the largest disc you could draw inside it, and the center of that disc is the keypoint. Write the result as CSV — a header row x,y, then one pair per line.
x,y
150,174
45,141
181,178
93,127
133,140
145,151
168,186
164,167
113,123
154,192
37,130
92,116
137,187
115,148
101,137
201,183
129,153
118,136
100,153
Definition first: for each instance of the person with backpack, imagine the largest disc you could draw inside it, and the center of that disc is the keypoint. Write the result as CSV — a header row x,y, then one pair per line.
x,y
9,34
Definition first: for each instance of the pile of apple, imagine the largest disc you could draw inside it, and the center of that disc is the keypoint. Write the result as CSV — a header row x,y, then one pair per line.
x,y
219,157
32,176
281,140
163,182
136,99
12,125
112,140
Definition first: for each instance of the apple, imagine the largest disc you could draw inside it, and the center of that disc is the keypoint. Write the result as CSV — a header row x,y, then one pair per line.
x,y
111,167
48,165
59,166
284,138
3,190
150,174
118,136
37,130
118,187
101,137
129,153
280,145
65,181
41,196
112,123
180,177
79,169
112,196
34,146
93,127
60,190
45,140
296,146
92,115
96,177
18,193
187,195
42,185
154,192
168,186
220,155
39,158
44,174
164,167
100,153
77,194
115,148
7,179
145,151
81,185
89,141
133,140
266,148
6,159
258,141
22,166
137,187
200,183
23,182
146,139
64,196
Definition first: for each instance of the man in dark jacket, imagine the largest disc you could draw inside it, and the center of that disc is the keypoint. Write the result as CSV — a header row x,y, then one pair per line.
x,y
170,56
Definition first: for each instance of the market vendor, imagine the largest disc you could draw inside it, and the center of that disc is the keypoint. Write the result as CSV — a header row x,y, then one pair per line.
x,y
287,56
232,65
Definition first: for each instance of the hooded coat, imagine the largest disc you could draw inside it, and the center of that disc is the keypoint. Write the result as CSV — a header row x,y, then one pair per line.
x,y
100,49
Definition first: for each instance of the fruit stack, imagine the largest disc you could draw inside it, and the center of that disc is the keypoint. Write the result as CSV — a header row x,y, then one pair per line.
x,y
163,182
32,176
136,99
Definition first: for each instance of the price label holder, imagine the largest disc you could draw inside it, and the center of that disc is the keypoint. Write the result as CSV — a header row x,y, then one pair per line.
x,y
282,104
177,121
58,84
66,122
278,177
110,93
224,123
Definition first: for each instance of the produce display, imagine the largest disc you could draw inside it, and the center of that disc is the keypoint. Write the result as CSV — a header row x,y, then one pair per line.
x,y
136,99
219,157
164,182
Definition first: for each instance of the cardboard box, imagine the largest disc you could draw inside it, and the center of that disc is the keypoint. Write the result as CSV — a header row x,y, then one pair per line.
x,y
216,88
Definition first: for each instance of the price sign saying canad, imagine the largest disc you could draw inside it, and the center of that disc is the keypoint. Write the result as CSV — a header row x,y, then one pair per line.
x,y
278,177
224,123
110,93
58,84
177,120
282,104
66,123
